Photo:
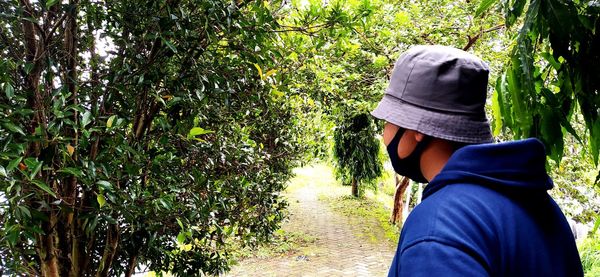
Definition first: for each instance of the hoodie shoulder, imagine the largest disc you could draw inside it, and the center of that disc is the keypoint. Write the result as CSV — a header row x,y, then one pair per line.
x,y
496,230
444,215
457,219
515,165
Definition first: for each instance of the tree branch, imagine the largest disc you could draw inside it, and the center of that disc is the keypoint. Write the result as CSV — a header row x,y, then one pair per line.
x,y
54,27
473,40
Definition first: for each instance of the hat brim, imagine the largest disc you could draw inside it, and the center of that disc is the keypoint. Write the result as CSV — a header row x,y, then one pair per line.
x,y
453,127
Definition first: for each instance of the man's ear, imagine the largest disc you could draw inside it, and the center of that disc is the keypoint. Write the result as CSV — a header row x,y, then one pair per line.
x,y
418,136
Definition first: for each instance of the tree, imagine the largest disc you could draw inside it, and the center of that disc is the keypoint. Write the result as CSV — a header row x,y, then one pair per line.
x,y
356,152
342,54
552,74
139,133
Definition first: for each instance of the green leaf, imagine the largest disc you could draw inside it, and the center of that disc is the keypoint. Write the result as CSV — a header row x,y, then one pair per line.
x,y
12,233
9,90
13,164
73,171
596,225
517,9
86,119
551,133
276,93
110,121
496,112
101,200
110,219
92,225
165,203
105,185
3,171
196,131
31,162
50,3
595,141
260,72
36,170
28,67
484,5
548,57
13,128
564,121
44,187
169,44
586,22
24,211
181,237
30,19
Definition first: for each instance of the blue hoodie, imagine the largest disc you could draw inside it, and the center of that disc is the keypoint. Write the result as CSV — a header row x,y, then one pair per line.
x,y
487,213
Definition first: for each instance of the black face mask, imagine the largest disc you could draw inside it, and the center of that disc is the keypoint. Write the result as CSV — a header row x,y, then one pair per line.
x,y
410,166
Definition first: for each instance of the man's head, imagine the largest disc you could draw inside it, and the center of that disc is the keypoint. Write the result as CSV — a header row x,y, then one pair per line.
x,y
435,102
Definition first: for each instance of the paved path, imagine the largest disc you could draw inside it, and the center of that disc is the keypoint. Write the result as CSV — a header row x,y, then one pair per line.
x,y
337,251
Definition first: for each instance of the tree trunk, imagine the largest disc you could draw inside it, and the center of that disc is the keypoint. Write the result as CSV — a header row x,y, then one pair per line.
x,y
68,226
48,250
110,249
35,50
131,267
401,186
354,187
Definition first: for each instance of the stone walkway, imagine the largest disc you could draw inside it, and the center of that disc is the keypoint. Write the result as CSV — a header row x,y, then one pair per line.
x,y
337,251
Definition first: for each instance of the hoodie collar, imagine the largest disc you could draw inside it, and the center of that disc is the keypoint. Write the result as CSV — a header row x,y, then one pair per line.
x,y
509,165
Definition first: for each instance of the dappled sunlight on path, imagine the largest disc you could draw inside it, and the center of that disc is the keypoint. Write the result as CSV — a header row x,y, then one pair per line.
x,y
337,250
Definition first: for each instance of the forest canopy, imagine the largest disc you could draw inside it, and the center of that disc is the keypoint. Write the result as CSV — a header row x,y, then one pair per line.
x,y
160,134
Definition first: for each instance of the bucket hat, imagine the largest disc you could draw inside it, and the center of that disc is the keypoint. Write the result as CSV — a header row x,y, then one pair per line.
x,y
438,91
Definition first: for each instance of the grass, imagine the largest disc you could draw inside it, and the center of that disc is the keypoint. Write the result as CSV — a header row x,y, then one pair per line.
x,y
366,212
320,177
284,243
589,250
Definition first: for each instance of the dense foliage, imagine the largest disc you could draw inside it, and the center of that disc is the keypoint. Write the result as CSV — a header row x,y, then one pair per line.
x,y
138,133
343,53
356,152
549,89
552,73
573,177
160,133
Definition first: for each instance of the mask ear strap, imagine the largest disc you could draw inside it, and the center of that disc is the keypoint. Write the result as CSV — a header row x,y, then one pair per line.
x,y
396,139
422,144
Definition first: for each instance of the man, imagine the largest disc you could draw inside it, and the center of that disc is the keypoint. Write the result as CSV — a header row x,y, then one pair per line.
x,y
486,210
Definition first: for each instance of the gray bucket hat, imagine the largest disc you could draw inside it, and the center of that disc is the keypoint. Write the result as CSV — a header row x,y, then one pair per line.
x,y
438,91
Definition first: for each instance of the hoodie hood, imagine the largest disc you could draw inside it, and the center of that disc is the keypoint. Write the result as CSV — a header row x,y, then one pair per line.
x,y
515,165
